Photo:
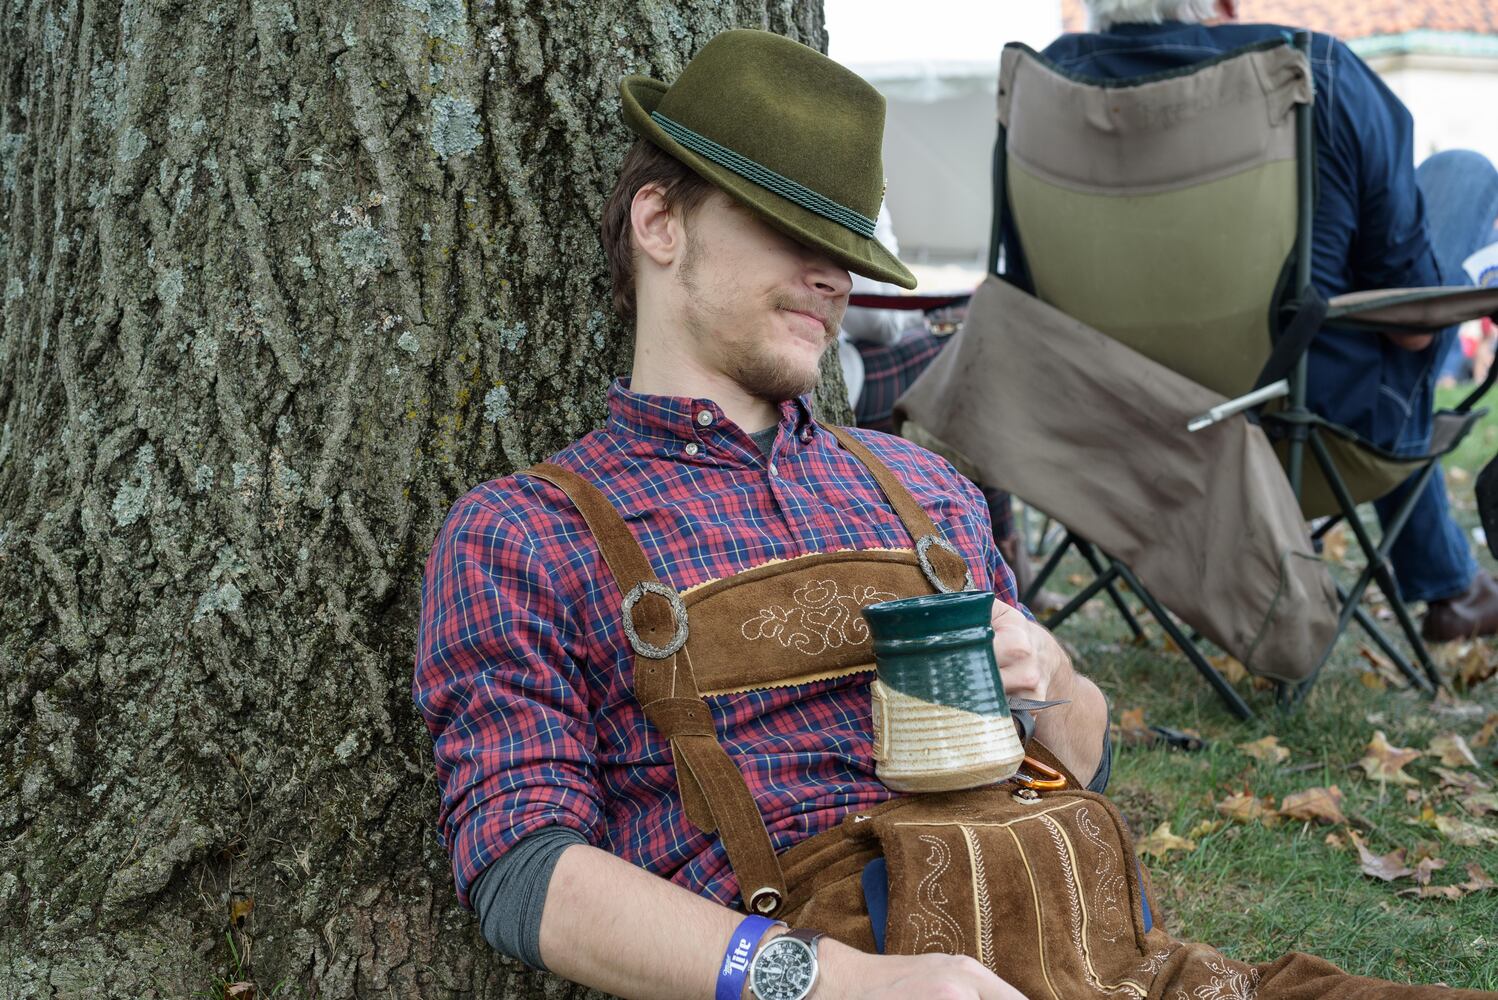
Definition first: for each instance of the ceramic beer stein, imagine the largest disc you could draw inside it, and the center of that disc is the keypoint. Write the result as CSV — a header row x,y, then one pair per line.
x,y
941,721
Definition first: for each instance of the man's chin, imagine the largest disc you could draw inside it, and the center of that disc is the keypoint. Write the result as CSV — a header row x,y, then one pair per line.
x,y
776,383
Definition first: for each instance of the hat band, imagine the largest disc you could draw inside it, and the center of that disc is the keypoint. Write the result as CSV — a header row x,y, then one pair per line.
x,y
767,178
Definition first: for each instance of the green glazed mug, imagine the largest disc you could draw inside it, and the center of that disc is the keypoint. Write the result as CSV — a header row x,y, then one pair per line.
x,y
941,721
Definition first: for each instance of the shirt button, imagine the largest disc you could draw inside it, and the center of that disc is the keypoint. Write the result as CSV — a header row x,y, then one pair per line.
x,y
692,448
774,471
705,417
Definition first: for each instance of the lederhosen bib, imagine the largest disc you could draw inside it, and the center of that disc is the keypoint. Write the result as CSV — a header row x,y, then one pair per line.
x,y
1040,886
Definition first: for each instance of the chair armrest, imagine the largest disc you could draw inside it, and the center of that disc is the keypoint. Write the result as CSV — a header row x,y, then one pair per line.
x,y
925,303
1412,310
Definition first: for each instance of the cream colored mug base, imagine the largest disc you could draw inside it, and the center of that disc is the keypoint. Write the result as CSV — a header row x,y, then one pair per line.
x,y
922,747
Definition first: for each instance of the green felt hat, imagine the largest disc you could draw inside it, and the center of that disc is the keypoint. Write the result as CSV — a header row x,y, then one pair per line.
x,y
784,130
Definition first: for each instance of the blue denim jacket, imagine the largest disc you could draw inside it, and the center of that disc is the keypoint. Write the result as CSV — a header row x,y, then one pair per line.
x,y
1370,229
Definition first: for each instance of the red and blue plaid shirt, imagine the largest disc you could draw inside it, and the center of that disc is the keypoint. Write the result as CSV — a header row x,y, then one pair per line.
x,y
523,672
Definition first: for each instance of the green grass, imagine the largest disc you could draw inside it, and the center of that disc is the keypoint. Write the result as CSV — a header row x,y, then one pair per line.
x,y
1256,891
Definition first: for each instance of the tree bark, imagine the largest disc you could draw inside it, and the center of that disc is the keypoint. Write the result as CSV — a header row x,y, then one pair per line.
x,y
282,281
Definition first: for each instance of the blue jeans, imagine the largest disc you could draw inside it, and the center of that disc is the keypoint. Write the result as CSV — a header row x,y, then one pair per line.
x,y
1431,557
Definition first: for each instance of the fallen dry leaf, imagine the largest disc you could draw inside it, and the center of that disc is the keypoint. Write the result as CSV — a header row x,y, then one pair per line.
x,y
1479,881
1435,892
1383,668
240,991
1453,750
1425,866
1479,804
1464,833
1485,734
1383,762
1267,750
1133,730
239,908
1241,807
1231,670
1463,781
1449,706
1334,544
1471,663
1334,839
1320,805
1162,842
1204,828
1386,867
1372,681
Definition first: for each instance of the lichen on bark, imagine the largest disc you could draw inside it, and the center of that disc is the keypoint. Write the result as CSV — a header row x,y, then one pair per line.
x,y
283,281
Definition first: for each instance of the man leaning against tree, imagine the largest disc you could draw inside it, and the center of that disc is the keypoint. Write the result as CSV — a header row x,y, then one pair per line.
x,y
643,664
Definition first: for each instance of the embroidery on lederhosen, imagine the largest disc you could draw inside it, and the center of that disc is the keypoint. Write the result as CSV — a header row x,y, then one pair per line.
x,y
982,904
1154,963
1228,983
1112,891
1078,909
935,928
820,618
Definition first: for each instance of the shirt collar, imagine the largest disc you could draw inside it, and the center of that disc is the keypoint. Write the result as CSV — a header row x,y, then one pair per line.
x,y
1148,27
680,418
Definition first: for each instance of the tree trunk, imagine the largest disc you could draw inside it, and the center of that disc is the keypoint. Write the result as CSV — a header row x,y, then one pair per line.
x,y
282,281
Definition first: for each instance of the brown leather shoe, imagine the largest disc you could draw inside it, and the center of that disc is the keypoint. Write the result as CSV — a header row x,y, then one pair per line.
x,y
1465,616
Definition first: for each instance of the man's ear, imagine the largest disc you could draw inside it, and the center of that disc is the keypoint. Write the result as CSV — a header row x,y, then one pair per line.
x,y
657,231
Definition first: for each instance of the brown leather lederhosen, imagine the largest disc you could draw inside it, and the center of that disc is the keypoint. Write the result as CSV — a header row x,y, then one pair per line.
x,y
1040,886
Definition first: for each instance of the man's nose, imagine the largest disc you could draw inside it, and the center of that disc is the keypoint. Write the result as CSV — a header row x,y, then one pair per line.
x,y
824,275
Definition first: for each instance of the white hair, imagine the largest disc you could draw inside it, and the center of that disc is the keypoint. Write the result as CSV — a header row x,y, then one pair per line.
x,y
1107,13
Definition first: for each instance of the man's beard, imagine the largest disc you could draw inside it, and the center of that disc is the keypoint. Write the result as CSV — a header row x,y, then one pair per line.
x,y
753,364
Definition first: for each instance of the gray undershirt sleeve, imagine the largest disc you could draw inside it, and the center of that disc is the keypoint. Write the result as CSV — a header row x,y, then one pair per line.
x,y
510,895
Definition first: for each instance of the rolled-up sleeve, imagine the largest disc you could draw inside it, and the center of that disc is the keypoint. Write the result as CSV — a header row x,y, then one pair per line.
x,y
501,693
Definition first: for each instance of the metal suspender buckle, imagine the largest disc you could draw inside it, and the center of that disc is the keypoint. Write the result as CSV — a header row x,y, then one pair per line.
x,y
922,554
678,616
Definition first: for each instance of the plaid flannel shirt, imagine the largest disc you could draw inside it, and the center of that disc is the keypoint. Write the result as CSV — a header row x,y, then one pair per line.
x,y
523,673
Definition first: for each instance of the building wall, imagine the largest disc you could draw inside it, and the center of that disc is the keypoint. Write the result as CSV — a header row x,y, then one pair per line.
x,y
937,156
1454,100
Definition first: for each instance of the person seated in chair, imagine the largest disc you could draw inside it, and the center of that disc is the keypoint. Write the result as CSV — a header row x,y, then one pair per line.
x,y
645,665
1379,223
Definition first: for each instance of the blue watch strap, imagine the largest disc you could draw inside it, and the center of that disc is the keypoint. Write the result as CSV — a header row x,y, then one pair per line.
x,y
741,948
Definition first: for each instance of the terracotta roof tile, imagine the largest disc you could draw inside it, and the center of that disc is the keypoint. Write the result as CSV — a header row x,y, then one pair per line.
x,y
1349,19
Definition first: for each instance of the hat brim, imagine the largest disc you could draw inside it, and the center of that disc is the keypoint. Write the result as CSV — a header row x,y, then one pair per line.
x,y
859,254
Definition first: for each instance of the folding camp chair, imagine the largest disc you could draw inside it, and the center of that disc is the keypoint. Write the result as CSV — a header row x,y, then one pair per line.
x,y
1164,224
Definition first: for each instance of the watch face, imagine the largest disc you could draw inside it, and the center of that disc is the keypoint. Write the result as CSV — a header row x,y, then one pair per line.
x,y
783,970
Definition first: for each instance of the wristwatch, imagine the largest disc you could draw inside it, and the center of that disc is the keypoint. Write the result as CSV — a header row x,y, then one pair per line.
x,y
785,968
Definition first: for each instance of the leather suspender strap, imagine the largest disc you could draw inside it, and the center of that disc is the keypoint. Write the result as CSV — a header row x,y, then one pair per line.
x,y
714,794
944,568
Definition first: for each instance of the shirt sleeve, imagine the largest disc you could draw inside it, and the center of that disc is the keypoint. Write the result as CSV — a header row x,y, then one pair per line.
x,y
504,699
1000,576
1390,243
